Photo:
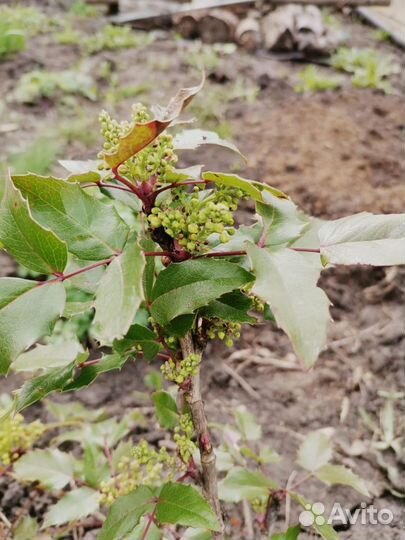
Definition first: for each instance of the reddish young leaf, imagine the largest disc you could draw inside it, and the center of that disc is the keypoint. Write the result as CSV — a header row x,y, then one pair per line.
x,y
143,134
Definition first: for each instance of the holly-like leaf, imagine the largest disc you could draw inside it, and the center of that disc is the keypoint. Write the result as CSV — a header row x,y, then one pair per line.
x,y
125,513
184,287
48,356
26,240
166,409
184,505
251,187
28,311
364,239
79,167
241,484
338,474
91,228
281,219
315,451
26,529
51,467
122,282
53,380
148,277
142,134
142,336
287,280
77,504
179,175
247,425
197,534
88,374
232,307
191,139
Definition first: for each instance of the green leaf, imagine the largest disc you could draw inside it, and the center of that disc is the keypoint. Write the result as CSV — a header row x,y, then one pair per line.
x,y
48,356
51,467
79,167
281,219
77,308
125,513
315,451
180,325
88,374
191,139
148,277
247,425
154,380
27,312
242,484
27,529
77,504
338,474
291,534
121,282
26,240
251,187
95,466
287,280
197,534
232,307
166,409
325,531
91,228
364,239
139,335
53,380
184,505
184,287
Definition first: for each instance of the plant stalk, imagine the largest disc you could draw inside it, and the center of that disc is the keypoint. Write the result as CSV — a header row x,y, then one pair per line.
x,y
194,400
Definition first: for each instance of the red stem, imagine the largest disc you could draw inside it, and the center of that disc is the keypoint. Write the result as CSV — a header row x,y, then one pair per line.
x,y
178,184
126,182
157,253
62,277
151,519
110,186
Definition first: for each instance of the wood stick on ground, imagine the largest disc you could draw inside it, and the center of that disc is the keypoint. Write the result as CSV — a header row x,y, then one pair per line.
x,y
148,17
241,381
208,460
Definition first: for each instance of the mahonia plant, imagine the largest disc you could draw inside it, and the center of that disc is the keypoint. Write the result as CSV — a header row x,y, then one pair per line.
x,y
164,268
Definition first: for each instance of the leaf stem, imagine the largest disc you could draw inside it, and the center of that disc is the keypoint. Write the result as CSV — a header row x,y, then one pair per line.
x,y
179,184
151,519
127,183
108,186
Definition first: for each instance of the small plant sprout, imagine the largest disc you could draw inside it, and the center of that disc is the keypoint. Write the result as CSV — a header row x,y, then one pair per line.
x,y
312,80
369,68
153,255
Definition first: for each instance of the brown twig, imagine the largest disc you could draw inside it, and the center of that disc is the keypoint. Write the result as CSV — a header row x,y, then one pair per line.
x,y
194,400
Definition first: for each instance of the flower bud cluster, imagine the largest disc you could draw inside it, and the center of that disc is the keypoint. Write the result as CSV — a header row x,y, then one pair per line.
x,y
191,218
17,437
146,466
223,330
181,371
156,160
257,303
183,434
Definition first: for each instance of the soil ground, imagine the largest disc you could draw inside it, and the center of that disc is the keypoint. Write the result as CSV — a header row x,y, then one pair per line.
x,y
335,153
